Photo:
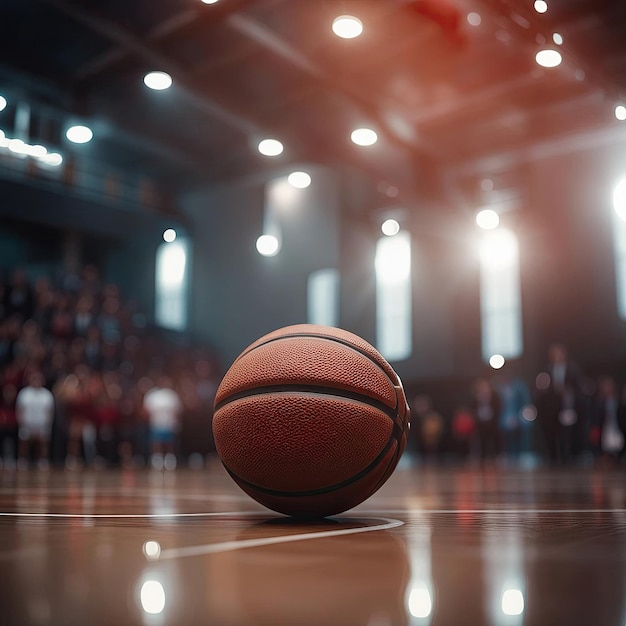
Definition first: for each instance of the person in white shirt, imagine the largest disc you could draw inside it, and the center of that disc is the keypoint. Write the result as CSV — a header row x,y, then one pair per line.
x,y
163,406
34,410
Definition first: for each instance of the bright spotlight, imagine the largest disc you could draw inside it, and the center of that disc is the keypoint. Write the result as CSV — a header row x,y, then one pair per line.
x,y
620,112
270,147
347,26
390,227
498,248
364,137
549,58
299,180
209,1
79,134
496,361
474,19
3,103
558,39
267,245
152,597
420,602
169,235
158,80
152,549
619,199
54,159
487,219
541,6
512,602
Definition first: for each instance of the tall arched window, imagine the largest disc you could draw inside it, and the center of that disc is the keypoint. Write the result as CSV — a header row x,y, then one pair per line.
x,y
323,297
393,296
619,245
500,295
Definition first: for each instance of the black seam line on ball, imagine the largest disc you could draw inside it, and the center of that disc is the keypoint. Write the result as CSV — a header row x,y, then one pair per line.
x,y
323,490
311,390
325,338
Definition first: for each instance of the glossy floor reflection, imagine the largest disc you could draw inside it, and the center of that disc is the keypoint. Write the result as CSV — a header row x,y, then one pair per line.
x,y
435,546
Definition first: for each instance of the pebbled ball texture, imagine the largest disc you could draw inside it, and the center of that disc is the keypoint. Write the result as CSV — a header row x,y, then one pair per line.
x,y
310,420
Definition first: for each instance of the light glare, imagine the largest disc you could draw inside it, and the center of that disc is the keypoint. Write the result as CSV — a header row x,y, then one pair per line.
x,y
497,362
512,602
3,103
420,602
347,26
390,227
79,134
487,219
152,597
209,1
498,249
267,245
474,19
558,39
299,180
270,147
152,549
157,80
541,6
620,112
619,199
54,159
169,235
549,58
364,137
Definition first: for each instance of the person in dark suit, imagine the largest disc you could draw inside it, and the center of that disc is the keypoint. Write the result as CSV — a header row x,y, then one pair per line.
x,y
558,406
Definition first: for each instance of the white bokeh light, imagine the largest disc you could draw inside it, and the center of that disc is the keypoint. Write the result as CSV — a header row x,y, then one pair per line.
x,y
474,19
3,103
79,134
512,602
498,248
347,26
549,58
267,245
158,80
390,227
420,602
169,235
270,147
152,597
620,112
299,180
541,6
487,219
496,361
364,137
558,39
54,159
152,549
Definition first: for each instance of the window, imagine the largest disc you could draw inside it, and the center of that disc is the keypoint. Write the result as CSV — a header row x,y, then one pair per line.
x,y
323,297
619,245
393,296
171,284
500,295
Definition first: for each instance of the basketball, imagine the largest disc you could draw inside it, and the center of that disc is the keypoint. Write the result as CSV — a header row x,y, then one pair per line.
x,y
310,420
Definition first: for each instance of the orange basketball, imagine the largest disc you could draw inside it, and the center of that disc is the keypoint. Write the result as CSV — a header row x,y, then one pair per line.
x,y
310,420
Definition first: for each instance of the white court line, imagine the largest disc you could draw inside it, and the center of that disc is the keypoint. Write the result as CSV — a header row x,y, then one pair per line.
x,y
481,511
229,546
259,513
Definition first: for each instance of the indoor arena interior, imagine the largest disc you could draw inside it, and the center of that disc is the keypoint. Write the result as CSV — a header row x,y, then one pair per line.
x,y
312,313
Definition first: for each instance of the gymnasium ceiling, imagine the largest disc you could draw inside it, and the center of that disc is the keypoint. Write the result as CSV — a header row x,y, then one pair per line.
x,y
444,96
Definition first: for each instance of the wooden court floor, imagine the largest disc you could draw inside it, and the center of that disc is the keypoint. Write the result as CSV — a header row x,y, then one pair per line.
x,y
435,546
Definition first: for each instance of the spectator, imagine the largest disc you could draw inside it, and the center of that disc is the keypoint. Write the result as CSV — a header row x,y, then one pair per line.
x,y
486,407
8,427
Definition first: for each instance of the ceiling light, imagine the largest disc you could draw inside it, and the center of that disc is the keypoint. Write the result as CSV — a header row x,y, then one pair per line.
x,y
620,112
3,103
347,26
17,146
79,134
300,180
541,6
158,80
364,137
267,245
39,152
390,227
474,19
169,235
549,58
54,159
270,147
209,1
558,39
487,219
496,361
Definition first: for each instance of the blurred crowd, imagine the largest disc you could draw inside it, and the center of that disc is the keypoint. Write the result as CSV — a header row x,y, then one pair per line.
x,y
85,380
562,417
